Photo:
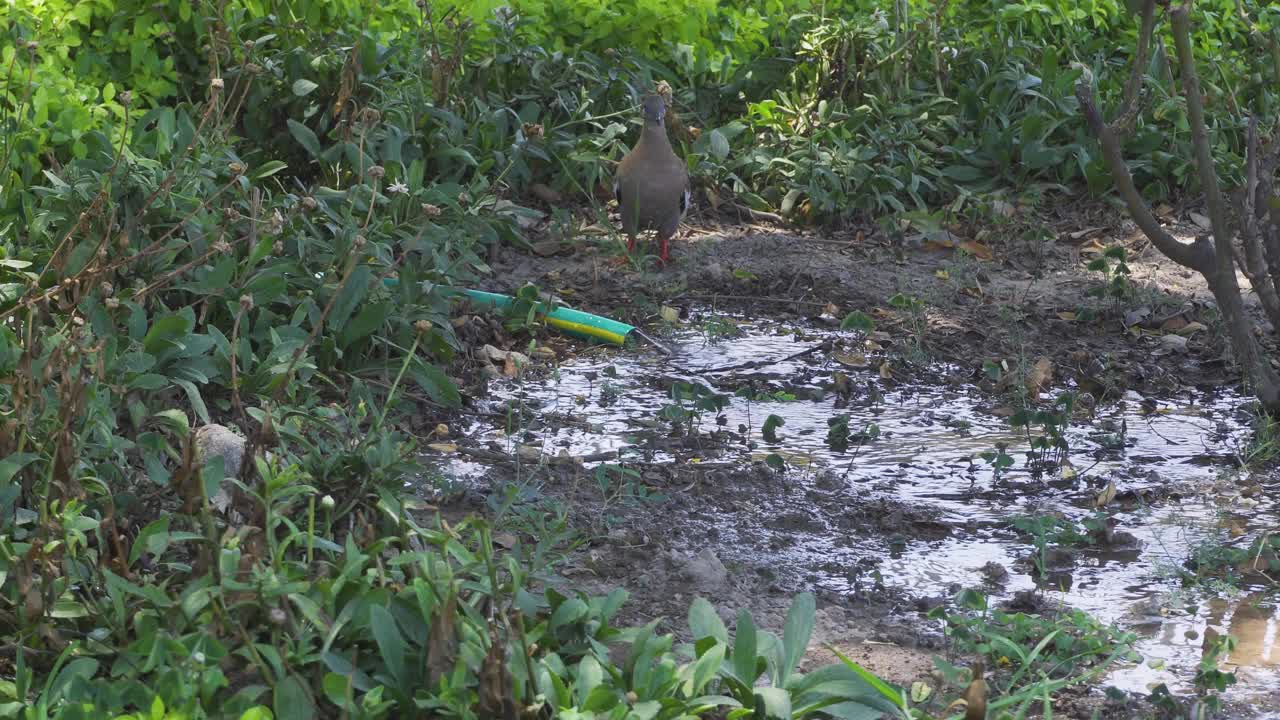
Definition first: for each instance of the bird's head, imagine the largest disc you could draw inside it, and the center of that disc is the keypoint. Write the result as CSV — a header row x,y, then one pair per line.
x,y
655,109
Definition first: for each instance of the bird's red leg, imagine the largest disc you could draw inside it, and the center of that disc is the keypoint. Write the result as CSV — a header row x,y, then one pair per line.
x,y
663,256
631,243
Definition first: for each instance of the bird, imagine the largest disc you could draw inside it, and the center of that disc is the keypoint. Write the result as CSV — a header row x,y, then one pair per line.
x,y
976,694
652,182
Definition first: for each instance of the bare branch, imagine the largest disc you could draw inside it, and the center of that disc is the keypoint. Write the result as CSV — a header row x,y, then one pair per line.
x,y
1128,111
1196,255
1200,135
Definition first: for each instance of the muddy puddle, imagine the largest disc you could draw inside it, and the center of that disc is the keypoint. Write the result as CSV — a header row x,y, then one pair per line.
x,y
1172,463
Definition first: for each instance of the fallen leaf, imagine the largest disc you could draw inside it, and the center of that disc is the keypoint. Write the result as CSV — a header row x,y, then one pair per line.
x,y
942,275
1105,497
1093,247
1175,343
855,360
1068,316
669,314
885,372
546,248
1081,234
1192,328
446,448
1039,376
831,309
977,249
1174,324
442,430
938,245
545,194
1133,317
505,540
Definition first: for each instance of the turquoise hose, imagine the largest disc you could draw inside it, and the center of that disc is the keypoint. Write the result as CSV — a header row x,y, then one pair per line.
x,y
572,322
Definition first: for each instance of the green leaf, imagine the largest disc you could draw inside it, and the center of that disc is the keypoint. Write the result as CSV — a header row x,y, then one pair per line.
x,y
719,145
775,701
963,173
886,691
165,333
305,137
356,289
707,667
154,538
391,644
858,321
197,402
570,611
705,622
13,464
590,675
175,420
369,319
267,169
336,688
770,429
435,384
303,86
796,632
291,701
744,649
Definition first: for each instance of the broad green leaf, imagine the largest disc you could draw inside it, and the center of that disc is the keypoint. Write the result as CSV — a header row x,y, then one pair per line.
x,y
305,137
435,383
744,648
705,622
391,644
796,632
303,86
13,464
291,701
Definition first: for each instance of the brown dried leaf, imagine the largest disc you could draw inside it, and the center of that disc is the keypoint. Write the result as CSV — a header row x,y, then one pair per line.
x,y
1107,495
856,360
496,692
442,642
1039,376
977,249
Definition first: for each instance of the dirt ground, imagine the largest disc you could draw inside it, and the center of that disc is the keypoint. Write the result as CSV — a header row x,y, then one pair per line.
x,y
1022,302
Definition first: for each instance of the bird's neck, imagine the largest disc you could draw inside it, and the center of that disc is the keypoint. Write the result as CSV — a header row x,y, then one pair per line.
x,y
654,134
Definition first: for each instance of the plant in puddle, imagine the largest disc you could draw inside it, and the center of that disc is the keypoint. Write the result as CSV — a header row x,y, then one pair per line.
x,y
1048,533
1032,657
1045,430
689,402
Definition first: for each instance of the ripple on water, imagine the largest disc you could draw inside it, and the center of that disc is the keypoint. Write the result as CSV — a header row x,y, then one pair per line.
x,y
927,454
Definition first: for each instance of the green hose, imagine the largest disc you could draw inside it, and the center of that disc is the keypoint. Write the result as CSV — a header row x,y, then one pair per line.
x,y
573,322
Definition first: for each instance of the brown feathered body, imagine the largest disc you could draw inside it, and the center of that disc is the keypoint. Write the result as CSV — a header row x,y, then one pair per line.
x,y
975,696
652,182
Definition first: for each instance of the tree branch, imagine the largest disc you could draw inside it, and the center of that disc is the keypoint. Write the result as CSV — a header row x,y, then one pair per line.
x,y
1128,111
1196,255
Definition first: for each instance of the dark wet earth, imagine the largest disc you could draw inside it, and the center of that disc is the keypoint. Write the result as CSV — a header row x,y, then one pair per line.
x,y
910,505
